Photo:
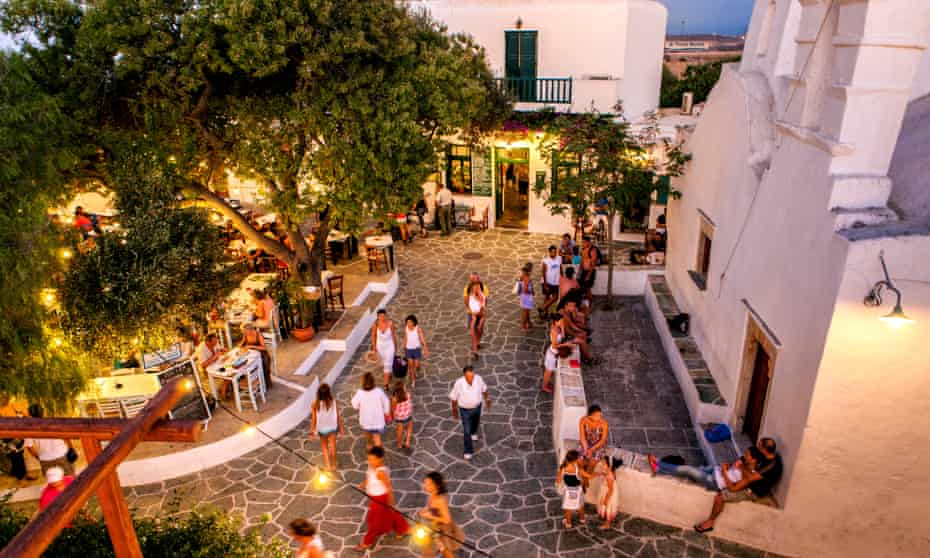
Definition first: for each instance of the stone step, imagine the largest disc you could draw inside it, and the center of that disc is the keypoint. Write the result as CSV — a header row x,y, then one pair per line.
x,y
325,364
373,300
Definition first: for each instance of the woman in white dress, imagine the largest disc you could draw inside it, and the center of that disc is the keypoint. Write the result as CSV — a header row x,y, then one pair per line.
x,y
384,344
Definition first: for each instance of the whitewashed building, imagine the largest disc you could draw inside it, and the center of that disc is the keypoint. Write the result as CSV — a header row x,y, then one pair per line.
x,y
812,159
569,55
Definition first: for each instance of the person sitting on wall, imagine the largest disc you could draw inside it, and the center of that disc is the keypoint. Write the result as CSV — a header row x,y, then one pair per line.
x,y
709,476
566,247
762,472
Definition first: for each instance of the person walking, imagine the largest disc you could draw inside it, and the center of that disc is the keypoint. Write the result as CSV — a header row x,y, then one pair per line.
x,y
326,422
444,209
372,406
477,311
524,289
551,277
466,395
402,412
305,534
384,344
381,518
449,535
414,347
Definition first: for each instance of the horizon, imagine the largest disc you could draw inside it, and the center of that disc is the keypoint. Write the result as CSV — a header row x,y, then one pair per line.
x,y
708,17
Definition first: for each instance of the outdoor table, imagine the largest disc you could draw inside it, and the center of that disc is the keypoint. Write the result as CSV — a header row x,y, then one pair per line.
x,y
266,219
341,245
115,388
383,242
222,370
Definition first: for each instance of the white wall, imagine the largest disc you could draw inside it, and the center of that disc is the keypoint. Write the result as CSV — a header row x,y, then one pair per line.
x,y
862,471
774,58
623,39
785,260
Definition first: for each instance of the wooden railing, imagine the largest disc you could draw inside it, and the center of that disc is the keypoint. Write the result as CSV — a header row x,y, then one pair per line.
x,y
537,90
100,475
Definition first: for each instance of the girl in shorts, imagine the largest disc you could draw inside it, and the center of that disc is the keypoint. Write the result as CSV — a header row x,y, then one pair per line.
x,y
525,291
414,347
402,411
326,422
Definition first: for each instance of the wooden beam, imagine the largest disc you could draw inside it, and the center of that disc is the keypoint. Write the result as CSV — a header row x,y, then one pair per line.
x,y
98,429
115,511
39,533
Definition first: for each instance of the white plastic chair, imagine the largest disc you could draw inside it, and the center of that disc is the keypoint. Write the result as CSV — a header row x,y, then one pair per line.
x,y
271,342
109,408
256,384
132,407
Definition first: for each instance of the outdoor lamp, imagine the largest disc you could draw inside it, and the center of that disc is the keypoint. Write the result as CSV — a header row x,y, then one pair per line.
x,y
421,534
896,318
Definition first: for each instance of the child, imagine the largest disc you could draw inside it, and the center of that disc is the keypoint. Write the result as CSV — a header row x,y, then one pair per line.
x,y
402,411
326,422
525,291
571,475
608,500
414,347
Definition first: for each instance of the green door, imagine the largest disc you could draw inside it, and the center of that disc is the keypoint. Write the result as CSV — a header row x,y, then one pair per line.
x,y
520,64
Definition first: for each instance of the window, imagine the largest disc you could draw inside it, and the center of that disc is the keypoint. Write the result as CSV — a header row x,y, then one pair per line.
x,y
705,245
564,165
458,169
520,64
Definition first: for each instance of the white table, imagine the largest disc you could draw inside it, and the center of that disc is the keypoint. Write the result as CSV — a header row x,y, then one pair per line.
x,y
383,242
222,370
116,388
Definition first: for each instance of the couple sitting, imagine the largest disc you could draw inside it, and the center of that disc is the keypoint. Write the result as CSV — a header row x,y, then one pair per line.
x,y
750,477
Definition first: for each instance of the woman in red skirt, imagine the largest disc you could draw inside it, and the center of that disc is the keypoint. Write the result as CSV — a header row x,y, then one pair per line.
x,y
381,517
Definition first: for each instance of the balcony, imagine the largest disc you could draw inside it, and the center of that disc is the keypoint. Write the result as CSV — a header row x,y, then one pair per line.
x,y
538,90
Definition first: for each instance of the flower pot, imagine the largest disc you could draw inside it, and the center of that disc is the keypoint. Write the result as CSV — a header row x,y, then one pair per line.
x,y
303,334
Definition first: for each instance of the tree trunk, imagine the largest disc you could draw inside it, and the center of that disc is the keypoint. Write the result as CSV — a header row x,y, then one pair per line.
x,y
611,215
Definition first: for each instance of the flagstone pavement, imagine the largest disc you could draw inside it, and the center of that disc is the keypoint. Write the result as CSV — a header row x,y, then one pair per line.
x,y
505,497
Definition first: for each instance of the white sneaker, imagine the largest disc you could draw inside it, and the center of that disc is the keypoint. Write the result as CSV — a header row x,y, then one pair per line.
x,y
467,457
474,437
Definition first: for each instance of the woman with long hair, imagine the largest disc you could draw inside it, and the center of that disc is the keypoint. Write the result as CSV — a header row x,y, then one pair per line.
x,y
593,431
449,535
326,422
570,480
525,292
414,346
477,310
402,411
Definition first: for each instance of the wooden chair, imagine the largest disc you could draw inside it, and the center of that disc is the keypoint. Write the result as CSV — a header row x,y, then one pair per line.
x,y
271,341
334,292
256,385
132,407
478,221
377,257
600,232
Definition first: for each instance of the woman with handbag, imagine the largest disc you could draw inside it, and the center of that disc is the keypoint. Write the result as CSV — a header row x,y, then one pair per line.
x,y
384,344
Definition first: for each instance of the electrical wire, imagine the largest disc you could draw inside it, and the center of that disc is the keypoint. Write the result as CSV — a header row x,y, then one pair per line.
x,y
416,521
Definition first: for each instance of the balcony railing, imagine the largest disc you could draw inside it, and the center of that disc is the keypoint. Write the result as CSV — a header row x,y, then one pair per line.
x,y
538,90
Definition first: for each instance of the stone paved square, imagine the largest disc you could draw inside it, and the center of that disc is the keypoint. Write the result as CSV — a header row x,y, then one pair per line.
x,y
505,498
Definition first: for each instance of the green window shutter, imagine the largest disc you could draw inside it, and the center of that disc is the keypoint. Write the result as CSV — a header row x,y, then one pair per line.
x,y
512,54
528,54
662,196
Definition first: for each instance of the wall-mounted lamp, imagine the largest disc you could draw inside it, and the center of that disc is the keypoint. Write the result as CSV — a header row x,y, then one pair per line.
x,y
897,317
519,23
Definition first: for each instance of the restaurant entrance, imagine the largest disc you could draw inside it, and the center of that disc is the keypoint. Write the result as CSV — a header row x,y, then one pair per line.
x,y
512,187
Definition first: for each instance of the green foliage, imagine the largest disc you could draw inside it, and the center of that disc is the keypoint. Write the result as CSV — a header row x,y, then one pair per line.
x,y
699,79
34,150
160,269
197,535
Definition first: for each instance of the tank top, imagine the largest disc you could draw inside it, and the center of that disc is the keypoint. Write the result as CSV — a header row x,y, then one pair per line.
x,y
571,480
373,485
385,338
402,410
304,551
560,336
474,304
326,418
413,338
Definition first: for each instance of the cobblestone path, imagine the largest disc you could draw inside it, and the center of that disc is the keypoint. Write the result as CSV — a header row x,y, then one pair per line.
x,y
504,498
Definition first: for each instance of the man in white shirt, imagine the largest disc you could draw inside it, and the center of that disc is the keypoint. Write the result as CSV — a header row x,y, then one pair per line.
x,y
551,274
466,396
444,209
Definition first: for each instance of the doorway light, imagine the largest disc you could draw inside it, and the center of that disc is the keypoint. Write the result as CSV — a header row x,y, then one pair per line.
x,y
896,318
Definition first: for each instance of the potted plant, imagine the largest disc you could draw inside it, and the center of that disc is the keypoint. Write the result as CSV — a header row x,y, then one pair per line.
x,y
304,305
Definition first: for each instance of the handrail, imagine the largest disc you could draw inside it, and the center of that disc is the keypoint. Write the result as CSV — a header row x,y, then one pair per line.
x,y
537,90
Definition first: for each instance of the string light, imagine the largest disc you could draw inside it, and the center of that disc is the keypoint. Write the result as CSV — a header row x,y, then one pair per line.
x,y
57,341
66,254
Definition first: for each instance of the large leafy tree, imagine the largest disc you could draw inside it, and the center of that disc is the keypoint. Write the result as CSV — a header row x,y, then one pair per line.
x,y
611,166
336,107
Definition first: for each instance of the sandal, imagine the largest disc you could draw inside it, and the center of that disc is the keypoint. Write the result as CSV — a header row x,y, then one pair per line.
x,y
700,529
360,547
566,524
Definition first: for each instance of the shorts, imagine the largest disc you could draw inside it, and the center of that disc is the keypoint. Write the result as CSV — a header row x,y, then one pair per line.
x,y
587,279
744,495
526,301
468,322
551,361
374,430
414,354
403,421
326,432
550,290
